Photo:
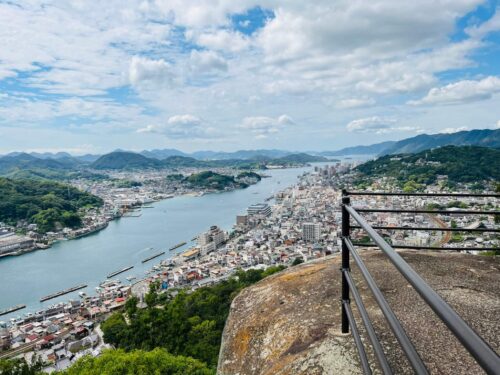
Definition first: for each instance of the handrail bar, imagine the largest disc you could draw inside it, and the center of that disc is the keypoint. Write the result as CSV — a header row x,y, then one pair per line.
x,y
396,327
458,195
411,247
445,229
377,348
357,338
416,211
478,348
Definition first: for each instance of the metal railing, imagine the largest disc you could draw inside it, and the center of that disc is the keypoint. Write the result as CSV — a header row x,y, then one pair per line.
x,y
473,343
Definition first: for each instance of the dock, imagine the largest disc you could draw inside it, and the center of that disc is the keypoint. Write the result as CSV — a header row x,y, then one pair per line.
x,y
153,257
113,274
63,292
177,246
12,309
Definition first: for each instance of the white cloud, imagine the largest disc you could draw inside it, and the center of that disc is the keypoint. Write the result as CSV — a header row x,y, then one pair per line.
x,y
221,40
354,103
181,127
263,125
462,92
380,125
147,71
370,124
453,130
207,61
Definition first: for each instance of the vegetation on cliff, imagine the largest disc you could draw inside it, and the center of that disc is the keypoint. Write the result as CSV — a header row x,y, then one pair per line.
x,y
190,324
47,204
466,164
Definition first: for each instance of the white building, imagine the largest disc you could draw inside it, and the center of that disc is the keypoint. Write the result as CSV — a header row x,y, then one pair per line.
x,y
311,232
259,209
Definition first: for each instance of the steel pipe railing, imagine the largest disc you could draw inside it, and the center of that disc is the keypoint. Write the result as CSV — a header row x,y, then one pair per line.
x,y
476,346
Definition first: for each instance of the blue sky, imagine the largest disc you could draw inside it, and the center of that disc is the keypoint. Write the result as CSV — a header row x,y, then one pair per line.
x,y
225,75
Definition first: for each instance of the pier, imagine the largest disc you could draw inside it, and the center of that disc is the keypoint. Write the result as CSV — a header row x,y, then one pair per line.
x,y
12,309
153,257
63,292
112,274
177,246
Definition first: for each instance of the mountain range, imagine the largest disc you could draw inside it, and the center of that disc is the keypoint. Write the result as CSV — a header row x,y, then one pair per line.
x,y
484,138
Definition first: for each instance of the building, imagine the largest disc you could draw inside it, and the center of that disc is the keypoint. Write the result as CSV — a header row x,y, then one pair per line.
x,y
241,220
259,209
311,232
212,239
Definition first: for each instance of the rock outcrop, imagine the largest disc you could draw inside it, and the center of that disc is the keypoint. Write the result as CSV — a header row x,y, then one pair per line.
x,y
289,323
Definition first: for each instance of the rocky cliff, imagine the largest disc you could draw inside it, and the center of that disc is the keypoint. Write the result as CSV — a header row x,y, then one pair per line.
x,y
289,323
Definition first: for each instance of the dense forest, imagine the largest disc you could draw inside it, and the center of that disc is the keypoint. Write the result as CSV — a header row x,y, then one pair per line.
x,y
45,203
465,164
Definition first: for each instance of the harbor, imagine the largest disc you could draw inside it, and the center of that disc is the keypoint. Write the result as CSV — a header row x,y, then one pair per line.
x,y
123,243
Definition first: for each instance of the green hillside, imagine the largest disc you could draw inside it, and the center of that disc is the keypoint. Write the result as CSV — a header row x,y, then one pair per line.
x,y
478,137
466,164
212,180
45,203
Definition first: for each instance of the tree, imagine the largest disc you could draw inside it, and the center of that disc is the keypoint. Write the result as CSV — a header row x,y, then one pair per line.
x,y
157,361
20,367
297,261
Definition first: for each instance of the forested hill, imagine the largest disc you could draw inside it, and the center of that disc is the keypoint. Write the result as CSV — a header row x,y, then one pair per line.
x,y
477,137
45,203
465,164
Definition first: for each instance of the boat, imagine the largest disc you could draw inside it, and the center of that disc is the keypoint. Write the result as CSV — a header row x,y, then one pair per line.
x,y
130,278
82,294
112,274
177,246
12,309
152,257
63,292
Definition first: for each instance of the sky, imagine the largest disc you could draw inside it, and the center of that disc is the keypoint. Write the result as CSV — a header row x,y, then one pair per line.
x,y
93,76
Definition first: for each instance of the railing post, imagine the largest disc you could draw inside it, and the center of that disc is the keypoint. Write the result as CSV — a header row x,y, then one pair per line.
x,y
345,260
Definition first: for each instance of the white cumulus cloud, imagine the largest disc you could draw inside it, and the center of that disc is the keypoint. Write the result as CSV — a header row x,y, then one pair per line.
x,y
143,70
207,61
462,92
264,125
181,127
